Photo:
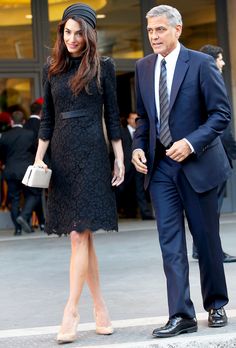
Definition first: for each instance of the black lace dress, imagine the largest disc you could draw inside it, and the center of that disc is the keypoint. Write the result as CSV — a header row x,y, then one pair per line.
x,y
80,194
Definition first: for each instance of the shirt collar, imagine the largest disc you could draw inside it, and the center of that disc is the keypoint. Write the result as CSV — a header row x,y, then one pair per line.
x,y
131,128
35,116
172,56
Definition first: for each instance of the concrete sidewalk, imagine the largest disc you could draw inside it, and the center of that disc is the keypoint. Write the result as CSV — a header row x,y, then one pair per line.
x,y
133,333
34,287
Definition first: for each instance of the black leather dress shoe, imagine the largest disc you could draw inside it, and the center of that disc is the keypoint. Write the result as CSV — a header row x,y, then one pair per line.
x,y
24,224
17,233
148,217
228,258
42,227
176,326
217,318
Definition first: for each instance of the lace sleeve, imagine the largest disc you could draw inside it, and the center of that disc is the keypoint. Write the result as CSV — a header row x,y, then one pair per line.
x,y
48,116
111,111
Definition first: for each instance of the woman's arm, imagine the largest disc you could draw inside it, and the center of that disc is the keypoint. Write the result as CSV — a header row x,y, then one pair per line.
x,y
112,119
119,168
42,148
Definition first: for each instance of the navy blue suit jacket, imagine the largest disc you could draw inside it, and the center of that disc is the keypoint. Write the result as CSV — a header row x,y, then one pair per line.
x,y
199,112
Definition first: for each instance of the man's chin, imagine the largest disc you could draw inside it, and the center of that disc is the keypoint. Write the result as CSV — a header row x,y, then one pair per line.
x,y
158,50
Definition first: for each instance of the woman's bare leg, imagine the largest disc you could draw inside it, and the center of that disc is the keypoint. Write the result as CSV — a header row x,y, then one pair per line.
x,y
93,281
78,273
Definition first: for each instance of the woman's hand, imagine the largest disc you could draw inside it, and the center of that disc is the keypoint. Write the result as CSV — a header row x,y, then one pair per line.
x,y
119,173
39,163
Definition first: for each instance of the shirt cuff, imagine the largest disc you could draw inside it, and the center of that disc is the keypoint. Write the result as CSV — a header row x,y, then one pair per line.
x,y
189,144
136,150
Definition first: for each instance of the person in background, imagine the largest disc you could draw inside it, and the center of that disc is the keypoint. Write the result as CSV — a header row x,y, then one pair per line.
x,y
177,146
17,151
228,142
33,123
5,121
5,124
79,88
131,193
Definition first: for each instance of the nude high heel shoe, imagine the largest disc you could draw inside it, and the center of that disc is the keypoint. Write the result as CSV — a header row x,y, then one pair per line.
x,y
102,330
69,337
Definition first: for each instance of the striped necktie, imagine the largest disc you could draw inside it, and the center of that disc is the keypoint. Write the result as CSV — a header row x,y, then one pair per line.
x,y
165,136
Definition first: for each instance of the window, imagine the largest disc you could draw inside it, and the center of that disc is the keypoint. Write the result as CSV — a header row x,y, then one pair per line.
x,y
16,30
199,22
15,94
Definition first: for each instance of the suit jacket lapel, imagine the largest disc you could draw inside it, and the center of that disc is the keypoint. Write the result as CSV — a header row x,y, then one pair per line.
x,y
179,74
150,82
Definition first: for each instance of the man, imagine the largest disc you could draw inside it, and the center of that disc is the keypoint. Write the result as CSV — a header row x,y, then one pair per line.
x,y
33,123
183,108
16,148
131,192
228,142
217,53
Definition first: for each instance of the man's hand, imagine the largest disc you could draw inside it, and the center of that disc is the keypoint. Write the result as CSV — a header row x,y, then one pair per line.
x,y
139,160
179,151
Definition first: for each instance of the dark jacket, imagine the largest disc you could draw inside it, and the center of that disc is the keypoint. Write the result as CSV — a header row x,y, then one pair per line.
x,y
199,112
17,152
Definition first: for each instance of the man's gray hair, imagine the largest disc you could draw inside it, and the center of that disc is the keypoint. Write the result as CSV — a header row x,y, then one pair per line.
x,y
171,13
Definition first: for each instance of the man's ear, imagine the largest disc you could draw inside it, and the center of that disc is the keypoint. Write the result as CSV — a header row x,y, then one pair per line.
x,y
178,31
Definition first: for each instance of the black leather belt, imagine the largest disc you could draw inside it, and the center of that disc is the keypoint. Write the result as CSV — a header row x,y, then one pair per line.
x,y
72,114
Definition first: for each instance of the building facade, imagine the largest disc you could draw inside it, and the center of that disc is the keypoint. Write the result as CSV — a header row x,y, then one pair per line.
x,y
28,31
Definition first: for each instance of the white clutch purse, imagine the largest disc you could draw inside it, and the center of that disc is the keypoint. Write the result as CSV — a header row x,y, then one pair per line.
x,y
37,177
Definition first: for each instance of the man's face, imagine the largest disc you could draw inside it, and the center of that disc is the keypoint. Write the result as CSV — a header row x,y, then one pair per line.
x,y
220,62
162,36
131,119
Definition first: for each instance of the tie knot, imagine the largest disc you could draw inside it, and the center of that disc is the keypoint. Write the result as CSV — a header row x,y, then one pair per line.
x,y
163,62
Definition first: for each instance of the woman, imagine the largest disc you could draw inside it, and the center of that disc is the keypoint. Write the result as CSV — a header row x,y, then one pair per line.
x,y
79,87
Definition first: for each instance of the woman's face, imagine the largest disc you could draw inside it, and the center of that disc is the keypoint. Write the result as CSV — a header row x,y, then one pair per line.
x,y
73,38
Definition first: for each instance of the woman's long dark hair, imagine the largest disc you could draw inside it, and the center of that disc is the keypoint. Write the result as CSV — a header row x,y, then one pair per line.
x,y
90,63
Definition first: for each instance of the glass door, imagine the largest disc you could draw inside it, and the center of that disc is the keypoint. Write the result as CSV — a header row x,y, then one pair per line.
x,y
16,93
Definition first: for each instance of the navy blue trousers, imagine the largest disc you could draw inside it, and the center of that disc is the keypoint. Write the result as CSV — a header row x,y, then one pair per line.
x,y
173,198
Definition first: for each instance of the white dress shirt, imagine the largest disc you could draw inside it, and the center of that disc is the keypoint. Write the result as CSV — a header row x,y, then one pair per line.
x,y
131,130
35,116
171,60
